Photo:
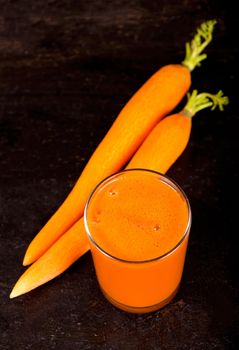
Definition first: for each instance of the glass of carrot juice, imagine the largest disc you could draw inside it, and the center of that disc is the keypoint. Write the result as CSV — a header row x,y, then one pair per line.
x,y
138,223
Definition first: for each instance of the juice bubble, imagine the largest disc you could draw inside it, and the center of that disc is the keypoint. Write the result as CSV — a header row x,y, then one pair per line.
x,y
96,218
96,221
112,192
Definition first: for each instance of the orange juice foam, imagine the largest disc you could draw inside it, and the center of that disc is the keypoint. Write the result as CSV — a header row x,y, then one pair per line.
x,y
137,217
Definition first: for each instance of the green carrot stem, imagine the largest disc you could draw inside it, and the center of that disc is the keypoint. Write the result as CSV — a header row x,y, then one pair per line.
x,y
197,102
194,49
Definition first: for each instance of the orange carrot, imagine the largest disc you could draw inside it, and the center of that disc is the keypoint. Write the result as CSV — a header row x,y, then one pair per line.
x,y
159,95
156,98
57,259
158,152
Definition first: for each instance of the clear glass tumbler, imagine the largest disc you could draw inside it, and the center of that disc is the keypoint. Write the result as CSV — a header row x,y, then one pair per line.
x,y
145,285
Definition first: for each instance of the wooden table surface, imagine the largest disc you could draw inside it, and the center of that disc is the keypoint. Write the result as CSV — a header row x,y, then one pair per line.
x,y
66,69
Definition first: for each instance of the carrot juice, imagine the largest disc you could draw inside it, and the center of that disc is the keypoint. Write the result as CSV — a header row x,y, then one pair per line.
x,y
138,223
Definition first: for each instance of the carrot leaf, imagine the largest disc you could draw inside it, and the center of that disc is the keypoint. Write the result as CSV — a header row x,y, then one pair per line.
x,y
197,102
194,49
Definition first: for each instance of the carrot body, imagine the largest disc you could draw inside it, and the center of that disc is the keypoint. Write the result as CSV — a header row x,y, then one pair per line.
x,y
158,152
57,259
164,145
156,98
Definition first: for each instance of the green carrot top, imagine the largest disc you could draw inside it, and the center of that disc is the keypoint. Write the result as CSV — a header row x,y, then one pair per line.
x,y
194,49
197,102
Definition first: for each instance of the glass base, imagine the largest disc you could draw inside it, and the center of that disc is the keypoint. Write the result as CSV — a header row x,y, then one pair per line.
x,y
143,309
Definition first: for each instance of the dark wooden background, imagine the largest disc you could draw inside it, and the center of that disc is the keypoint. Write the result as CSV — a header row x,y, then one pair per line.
x,y
66,69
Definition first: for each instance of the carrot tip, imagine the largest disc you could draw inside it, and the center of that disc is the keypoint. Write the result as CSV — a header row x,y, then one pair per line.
x,y
19,288
27,259
14,293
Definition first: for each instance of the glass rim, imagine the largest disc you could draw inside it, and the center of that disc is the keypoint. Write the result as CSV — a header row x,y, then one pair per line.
x,y
170,182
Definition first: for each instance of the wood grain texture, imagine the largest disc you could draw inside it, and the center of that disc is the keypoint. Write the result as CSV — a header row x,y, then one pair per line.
x,y
66,69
